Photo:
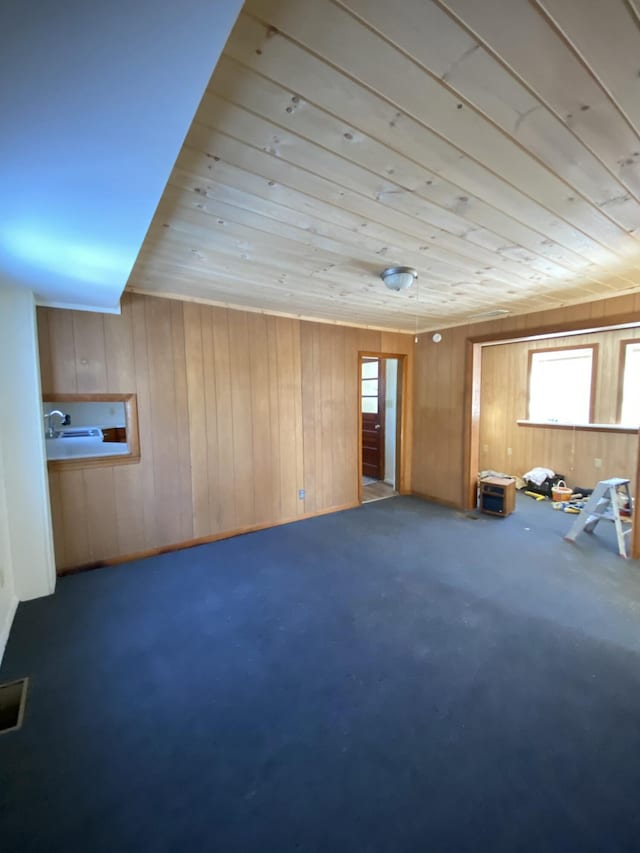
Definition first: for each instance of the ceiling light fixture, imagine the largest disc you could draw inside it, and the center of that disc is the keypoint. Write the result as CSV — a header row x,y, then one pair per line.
x,y
398,278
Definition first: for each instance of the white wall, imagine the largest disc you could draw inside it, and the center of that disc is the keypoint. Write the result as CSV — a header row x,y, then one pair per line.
x,y
8,600
96,101
390,420
26,543
89,414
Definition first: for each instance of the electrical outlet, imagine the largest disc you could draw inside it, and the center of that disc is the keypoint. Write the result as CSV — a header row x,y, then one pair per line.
x,y
597,463
485,448
509,451
301,494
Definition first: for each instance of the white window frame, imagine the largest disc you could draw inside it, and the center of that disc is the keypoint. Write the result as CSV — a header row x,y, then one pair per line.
x,y
532,415
625,383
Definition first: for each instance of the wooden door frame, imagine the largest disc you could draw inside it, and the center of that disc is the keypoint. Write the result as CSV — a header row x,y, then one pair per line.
x,y
473,389
402,411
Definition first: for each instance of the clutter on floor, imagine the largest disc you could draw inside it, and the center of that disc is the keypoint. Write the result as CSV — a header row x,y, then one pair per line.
x,y
610,500
497,495
606,503
542,481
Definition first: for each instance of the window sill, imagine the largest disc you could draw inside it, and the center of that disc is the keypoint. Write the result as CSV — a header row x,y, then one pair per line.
x,y
617,428
106,461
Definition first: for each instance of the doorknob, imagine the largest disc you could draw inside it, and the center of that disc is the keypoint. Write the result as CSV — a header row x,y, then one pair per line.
x,y
377,426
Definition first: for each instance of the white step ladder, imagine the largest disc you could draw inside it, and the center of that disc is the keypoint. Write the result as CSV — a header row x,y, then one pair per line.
x,y
603,504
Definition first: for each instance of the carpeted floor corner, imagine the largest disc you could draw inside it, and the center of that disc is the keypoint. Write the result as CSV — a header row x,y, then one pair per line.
x,y
399,677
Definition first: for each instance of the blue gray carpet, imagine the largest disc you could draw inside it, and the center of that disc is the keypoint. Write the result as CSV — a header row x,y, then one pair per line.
x,y
399,677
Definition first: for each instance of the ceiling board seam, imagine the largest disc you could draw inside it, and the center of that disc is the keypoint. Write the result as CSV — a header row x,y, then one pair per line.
x,y
397,249
454,252
427,168
433,250
232,278
264,230
460,251
470,105
159,260
415,193
508,277
552,23
382,224
442,5
451,143
633,11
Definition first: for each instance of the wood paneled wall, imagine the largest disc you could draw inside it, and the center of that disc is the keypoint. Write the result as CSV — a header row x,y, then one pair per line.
x,y
572,452
237,411
442,383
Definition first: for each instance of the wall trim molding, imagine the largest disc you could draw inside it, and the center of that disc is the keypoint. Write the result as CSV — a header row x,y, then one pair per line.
x,y
269,312
5,629
201,540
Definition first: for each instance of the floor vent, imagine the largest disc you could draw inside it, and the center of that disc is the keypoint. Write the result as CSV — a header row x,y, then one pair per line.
x,y
13,696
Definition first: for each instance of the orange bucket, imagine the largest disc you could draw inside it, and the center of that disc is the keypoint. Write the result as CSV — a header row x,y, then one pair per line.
x,y
561,492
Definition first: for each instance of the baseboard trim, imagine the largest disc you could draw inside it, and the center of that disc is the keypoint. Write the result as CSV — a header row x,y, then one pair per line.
x,y
435,500
5,629
201,540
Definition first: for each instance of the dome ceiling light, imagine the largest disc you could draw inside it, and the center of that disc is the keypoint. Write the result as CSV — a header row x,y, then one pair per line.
x,y
398,278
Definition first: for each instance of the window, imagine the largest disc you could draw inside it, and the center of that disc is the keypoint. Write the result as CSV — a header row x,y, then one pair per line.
x,y
369,385
83,430
561,385
630,366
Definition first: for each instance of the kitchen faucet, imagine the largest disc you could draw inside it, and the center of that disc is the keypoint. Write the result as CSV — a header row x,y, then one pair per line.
x,y
50,432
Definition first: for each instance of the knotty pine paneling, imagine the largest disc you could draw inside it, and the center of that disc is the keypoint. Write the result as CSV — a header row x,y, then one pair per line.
x,y
336,137
330,400
237,412
571,452
440,389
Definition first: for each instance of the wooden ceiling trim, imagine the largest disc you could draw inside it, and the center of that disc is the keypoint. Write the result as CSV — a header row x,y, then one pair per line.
x,y
332,33
296,69
602,127
434,40
269,313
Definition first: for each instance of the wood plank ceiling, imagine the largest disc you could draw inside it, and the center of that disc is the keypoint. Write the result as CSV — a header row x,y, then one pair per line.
x,y
494,146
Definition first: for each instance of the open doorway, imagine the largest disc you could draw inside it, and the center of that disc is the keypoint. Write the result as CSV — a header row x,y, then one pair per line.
x,y
380,413
514,423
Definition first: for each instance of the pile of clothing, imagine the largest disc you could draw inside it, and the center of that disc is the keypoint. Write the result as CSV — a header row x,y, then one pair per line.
x,y
542,480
